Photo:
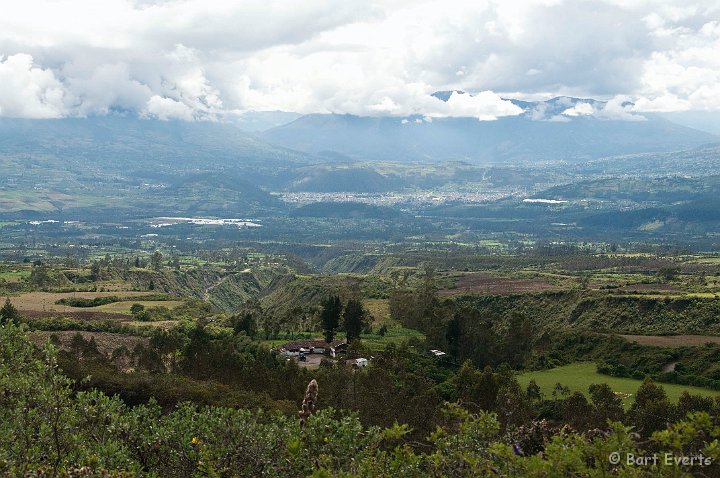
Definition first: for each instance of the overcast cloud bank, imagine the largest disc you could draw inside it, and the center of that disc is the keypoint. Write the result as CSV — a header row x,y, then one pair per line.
x,y
203,59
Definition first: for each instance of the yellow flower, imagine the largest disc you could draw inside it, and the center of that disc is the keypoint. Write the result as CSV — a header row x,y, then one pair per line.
x,y
195,440
325,439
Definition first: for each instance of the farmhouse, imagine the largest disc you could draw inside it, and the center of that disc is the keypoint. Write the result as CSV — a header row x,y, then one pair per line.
x,y
318,346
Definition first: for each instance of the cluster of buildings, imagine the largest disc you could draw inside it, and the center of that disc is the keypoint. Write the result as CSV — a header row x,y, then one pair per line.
x,y
295,349
300,349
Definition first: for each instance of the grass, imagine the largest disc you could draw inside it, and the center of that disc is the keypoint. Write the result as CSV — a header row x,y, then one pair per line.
x,y
14,276
379,309
706,260
45,301
656,295
163,324
394,335
672,340
124,307
579,376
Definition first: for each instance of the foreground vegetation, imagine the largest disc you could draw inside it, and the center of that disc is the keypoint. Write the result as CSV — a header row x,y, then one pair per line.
x,y
58,432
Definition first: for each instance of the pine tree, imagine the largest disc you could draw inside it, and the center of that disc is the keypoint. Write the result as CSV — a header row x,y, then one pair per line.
x,y
8,313
354,319
330,316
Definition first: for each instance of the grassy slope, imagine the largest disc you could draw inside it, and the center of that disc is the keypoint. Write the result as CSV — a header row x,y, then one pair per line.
x,y
124,307
579,376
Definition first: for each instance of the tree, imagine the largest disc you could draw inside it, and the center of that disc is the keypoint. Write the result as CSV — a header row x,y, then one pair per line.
x,y
246,321
606,405
518,341
452,335
8,313
156,261
136,309
652,410
40,276
354,319
330,316
577,412
667,274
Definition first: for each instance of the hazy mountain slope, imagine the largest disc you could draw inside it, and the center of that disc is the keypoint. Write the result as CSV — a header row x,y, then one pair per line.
x,y
345,179
254,121
142,166
122,142
708,121
507,140
697,162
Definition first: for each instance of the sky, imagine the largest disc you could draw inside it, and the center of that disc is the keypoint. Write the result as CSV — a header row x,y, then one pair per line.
x,y
208,59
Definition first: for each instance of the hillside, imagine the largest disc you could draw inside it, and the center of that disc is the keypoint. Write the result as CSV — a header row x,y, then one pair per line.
x,y
145,167
122,142
528,138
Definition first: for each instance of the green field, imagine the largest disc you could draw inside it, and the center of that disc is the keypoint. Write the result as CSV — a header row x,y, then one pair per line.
x,y
395,334
579,376
124,306
14,275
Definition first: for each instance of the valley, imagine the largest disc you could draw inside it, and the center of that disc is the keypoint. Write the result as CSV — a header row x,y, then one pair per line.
x,y
559,292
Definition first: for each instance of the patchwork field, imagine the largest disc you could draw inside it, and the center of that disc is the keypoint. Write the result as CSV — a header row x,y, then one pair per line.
x,y
14,275
579,376
85,315
162,324
672,340
106,342
44,304
650,288
124,307
480,283
46,301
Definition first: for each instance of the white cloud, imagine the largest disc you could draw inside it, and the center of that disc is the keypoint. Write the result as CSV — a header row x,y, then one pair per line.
x,y
109,86
663,103
167,108
201,59
27,91
580,109
620,108
485,106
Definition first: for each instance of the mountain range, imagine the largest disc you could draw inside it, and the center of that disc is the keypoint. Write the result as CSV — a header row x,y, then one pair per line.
x,y
560,129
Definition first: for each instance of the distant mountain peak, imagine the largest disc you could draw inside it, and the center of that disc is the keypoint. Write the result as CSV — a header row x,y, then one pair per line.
x,y
559,108
445,95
